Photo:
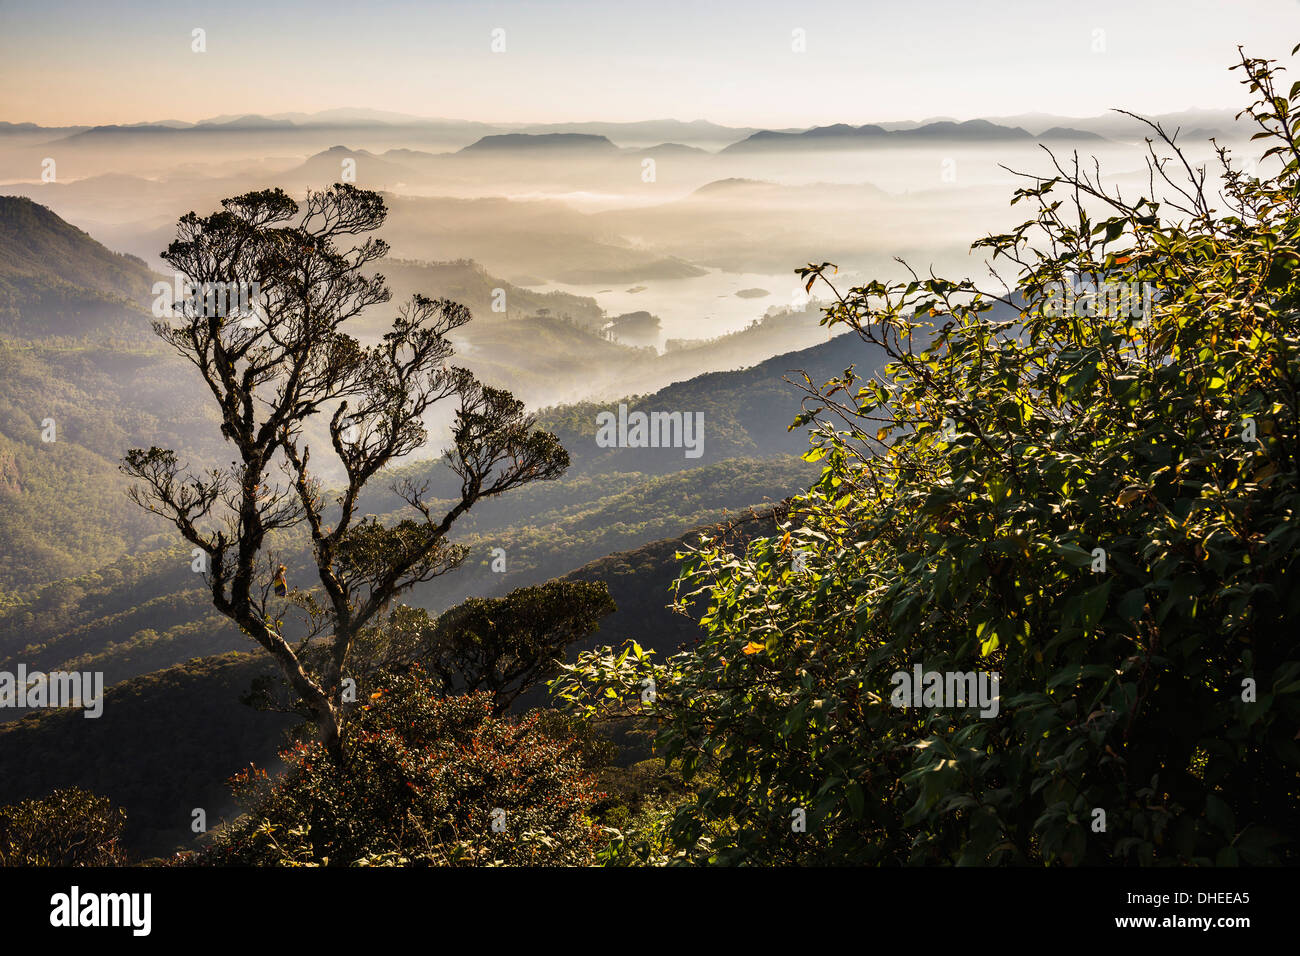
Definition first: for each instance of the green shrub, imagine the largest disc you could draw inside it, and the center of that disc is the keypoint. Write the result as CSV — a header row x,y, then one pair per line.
x,y
69,827
422,776
1096,502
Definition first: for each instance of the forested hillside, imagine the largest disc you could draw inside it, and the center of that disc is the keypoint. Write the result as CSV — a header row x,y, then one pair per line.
x,y
60,513
142,613
172,735
91,583
165,745
56,281
107,384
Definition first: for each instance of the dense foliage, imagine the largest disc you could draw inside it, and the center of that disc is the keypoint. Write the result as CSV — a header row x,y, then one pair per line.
x,y
1093,501
503,646
426,780
67,828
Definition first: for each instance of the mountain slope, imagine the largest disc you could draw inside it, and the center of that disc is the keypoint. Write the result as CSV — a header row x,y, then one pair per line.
x,y
35,242
167,741
57,280
163,747
141,614
544,142
63,506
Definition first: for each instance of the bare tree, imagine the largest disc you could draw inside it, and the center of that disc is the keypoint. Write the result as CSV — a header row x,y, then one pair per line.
x,y
287,363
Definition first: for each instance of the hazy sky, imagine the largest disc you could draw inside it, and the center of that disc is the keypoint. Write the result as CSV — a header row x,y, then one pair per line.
x,y
731,61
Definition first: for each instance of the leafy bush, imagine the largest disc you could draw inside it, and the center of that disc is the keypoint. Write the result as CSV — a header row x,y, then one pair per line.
x,y
71,827
422,777
1094,501
502,645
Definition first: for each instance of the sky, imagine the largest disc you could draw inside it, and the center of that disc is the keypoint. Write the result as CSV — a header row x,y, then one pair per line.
x,y
735,62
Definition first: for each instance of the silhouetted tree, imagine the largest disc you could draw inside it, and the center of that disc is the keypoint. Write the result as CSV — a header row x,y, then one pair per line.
x,y
287,363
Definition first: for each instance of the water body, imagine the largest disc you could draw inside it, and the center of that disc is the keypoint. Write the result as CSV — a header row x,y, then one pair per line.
x,y
699,307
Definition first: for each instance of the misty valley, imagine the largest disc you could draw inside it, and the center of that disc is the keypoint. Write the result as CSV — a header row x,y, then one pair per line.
x,y
545,485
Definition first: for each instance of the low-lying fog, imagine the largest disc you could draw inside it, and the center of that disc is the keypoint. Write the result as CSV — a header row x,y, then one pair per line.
x,y
633,245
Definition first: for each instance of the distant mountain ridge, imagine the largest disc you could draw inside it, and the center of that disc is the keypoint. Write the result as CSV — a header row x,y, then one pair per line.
x,y
548,141
843,136
641,133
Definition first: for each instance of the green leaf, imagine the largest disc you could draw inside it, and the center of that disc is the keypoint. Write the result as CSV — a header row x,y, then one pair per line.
x,y
1220,815
856,800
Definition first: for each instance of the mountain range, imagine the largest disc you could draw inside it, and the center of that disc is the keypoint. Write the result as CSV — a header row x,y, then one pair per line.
x,y
700,133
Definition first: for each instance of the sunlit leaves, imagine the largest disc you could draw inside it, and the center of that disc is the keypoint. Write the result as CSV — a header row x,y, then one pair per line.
x,y
1061,494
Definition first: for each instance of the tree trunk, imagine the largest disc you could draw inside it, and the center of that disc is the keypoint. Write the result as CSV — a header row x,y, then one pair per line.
x,y
331,734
